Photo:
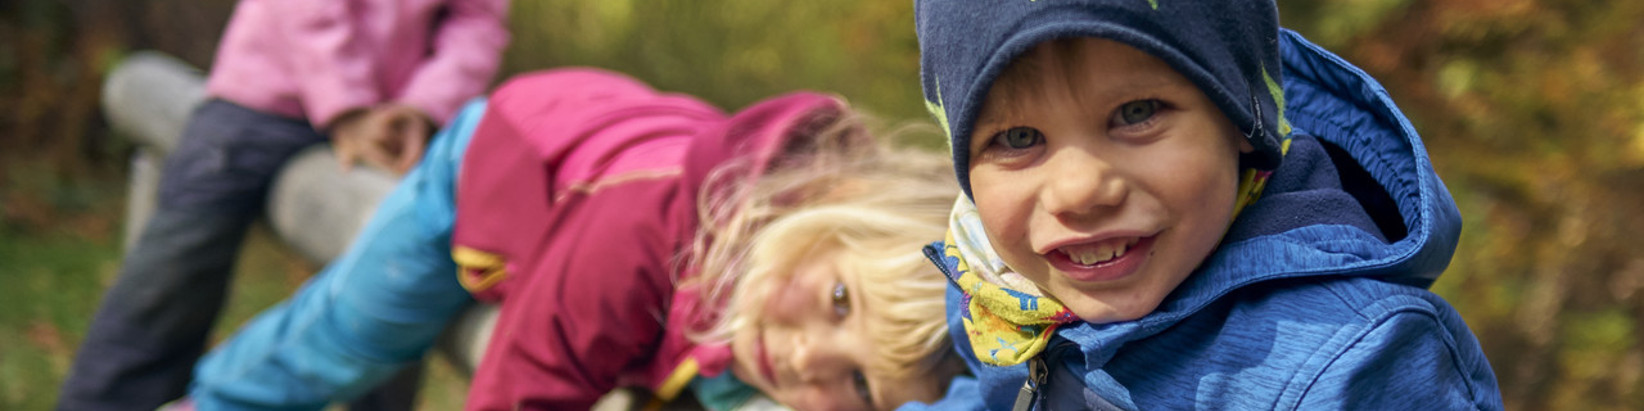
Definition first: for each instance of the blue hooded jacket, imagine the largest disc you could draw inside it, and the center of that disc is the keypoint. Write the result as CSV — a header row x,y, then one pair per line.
x,y
1315,299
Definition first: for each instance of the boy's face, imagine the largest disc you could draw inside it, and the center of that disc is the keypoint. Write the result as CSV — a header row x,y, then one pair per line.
x,y
1102,175
810,349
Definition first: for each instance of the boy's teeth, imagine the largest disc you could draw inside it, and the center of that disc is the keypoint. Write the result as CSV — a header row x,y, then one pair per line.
x,y
1092,254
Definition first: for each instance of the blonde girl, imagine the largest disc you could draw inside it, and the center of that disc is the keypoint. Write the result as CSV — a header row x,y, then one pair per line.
x,y
630,238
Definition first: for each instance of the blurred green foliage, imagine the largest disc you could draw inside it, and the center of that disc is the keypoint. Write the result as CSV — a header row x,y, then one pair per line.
x,y
1533,111
733,52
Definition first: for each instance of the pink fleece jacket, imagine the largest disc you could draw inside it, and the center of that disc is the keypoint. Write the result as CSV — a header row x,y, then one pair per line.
x,y
316,59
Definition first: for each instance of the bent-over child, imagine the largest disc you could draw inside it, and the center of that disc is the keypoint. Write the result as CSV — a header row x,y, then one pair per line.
x,y
631,238
1176,204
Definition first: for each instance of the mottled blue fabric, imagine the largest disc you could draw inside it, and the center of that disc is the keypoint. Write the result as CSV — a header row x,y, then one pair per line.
x,y
1225,47
1315,299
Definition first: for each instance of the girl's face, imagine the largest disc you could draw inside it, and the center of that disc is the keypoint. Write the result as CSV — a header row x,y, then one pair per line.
x,y
810,349
1103,176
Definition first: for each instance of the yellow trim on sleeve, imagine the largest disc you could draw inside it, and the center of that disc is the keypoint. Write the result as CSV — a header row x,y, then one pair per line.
x,y
675,383
492,268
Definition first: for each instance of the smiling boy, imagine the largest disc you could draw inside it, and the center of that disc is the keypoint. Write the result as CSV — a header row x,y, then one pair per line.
x,y
1105,193
1175,204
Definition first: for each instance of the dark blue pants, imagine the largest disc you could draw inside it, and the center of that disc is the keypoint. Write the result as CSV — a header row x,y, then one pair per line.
x,y
154,322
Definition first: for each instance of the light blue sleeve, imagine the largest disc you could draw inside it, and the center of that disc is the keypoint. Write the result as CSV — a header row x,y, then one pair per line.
x,y
375,309
1411,360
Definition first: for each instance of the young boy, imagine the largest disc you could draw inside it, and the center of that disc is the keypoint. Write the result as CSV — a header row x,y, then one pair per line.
x,y
1176,204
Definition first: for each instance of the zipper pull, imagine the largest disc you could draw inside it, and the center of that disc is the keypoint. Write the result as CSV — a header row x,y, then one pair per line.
x,y
1030,388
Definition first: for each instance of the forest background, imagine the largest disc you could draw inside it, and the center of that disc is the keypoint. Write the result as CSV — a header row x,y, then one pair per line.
x,y
1533,111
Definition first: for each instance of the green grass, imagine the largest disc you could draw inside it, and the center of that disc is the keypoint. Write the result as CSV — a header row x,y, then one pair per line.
x,y
51,286
56,261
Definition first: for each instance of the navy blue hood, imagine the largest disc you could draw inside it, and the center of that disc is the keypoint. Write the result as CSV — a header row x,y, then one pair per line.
x,y
1227,48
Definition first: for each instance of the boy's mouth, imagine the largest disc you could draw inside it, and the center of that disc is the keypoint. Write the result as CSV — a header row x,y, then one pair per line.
x,y
1100,252
1102,260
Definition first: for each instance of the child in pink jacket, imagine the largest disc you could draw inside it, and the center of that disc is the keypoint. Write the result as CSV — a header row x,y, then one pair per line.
x,y
376,76
631,238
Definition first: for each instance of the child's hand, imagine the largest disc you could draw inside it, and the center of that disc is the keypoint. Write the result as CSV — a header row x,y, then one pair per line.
x,y
389,136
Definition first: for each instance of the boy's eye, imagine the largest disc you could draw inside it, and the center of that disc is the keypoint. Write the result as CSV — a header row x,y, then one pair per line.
x,y
859,382
841,300
1135,112
1017,138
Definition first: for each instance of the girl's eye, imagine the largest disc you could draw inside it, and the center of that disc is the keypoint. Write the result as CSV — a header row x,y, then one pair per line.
x,y
841,300
1135,112
860,383
1017,138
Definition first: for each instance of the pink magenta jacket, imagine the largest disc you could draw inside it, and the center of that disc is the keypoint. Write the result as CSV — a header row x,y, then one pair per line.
x,y
576,202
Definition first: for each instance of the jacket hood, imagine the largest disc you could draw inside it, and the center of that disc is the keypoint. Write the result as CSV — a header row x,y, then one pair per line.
x,y
1403,229
1381,163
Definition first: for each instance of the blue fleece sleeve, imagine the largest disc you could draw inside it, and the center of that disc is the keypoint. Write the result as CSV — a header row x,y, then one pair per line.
x,y
1411,360
963,394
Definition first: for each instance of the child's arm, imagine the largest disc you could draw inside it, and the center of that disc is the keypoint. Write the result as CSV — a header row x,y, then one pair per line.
x,y
1410,360
563,340
330,61
467,49
337,76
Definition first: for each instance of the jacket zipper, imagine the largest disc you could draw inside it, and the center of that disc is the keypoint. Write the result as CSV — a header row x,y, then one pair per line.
x,y
1029,395
934,254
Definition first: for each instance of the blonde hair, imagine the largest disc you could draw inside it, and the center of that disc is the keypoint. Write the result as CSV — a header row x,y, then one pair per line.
x,y
836,193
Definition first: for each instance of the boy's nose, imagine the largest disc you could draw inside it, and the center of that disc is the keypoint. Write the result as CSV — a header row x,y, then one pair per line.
x,y
1078,182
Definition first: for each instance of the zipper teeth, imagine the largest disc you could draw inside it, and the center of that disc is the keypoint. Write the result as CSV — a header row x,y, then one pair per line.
x,y
934,254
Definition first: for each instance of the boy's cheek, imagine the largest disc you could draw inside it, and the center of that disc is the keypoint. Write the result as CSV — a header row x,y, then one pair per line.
x,y
1003,230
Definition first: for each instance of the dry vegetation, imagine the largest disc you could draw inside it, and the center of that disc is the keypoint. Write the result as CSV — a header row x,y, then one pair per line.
x,y
1533,111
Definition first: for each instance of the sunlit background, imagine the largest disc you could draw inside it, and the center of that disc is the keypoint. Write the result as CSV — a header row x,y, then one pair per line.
x,y
1533,111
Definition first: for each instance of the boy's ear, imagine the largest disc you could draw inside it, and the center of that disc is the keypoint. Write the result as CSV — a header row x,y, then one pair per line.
x,y
1239,138
1244,143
